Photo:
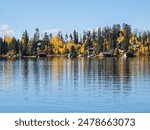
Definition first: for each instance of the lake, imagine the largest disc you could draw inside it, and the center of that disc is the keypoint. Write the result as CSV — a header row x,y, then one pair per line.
x,y
62,84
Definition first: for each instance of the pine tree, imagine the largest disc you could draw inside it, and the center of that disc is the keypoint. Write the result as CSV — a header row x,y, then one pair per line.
x,y
50,36
127,35
1,43
24,43
46,39
36,37
115,32
66,38
71,37
100,41
75,36
94,35
45,42
84,37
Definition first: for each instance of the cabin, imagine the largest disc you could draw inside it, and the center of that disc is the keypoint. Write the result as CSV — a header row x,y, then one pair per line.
x,y
91,51
39,44
40,52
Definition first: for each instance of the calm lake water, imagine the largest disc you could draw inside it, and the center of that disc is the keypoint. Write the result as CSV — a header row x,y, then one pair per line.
x,y
62,84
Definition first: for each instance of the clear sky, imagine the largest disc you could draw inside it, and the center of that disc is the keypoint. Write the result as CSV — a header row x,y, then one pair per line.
x,y
67,15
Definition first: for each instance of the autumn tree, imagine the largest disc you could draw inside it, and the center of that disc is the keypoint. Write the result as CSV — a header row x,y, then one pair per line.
x,y
105,39
7,40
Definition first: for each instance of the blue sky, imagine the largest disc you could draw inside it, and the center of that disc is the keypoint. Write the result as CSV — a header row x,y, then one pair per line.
x,y
67,15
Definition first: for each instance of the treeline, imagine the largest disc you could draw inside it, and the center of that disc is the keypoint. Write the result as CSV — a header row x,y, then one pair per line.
x,y
115,39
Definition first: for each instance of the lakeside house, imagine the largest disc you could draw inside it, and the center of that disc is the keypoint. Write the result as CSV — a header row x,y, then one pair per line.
x,y
40,51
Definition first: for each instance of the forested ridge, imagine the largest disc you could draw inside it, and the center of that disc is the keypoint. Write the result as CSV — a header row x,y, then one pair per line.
x,y
117,40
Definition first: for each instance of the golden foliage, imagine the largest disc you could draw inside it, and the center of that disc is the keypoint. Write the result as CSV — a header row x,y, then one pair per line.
x,y
134,40
83,48
70,45
11,53
56,41
45,47
143,50
121,37
22,41
62,50
7,39
55,50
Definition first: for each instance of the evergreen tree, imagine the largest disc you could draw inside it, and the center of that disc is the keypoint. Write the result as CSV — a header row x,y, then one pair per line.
x,y
59,34
45,42
66,38
127,35
4,48
50,36
61,37
148,40
89,40
81,40
15,45
71,37
36,37
1,43
75,36
100,41
144,38
46,39
84,37
115,33
94,35
24,43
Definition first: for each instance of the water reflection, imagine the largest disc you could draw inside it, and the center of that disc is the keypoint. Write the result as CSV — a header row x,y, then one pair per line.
x,y
59,78
93,71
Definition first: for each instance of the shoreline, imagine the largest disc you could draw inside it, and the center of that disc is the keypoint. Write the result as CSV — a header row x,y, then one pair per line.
x,y
67,56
